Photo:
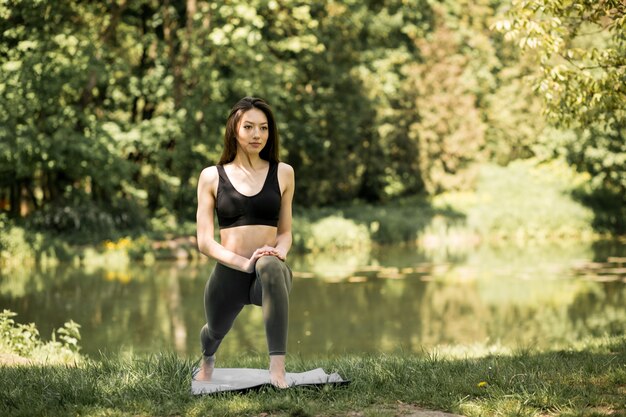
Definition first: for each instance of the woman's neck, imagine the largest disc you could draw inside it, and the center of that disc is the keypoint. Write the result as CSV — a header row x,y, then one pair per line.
x,y
249,161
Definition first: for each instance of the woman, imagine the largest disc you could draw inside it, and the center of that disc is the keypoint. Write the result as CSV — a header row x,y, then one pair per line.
x,y
251,192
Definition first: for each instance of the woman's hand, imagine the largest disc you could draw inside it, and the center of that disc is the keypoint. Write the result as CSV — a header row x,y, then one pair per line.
x,y
272,251
260,252
280,254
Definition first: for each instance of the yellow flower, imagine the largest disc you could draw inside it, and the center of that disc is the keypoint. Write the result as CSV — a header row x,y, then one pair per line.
x,y
123,277
123,243
482,384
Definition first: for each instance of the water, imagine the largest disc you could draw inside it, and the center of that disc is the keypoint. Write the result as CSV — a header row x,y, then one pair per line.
x,y
388,300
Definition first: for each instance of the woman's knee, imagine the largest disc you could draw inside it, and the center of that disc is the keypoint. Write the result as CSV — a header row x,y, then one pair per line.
x,y
207,333
268,264
271,271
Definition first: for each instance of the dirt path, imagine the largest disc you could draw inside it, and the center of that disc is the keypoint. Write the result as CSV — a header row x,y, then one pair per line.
x,y
401,410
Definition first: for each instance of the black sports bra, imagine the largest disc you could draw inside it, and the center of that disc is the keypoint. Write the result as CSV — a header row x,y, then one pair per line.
x,y
235,209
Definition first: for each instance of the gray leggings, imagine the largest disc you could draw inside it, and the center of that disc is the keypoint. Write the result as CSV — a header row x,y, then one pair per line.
x,y
227,291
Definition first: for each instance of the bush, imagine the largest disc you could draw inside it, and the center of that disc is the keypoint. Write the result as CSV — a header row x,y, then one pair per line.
x,y
86,221
524,200
332,233
399,221
14,248
24,340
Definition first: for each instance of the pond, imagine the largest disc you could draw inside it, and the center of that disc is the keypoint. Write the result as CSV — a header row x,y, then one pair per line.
x,y
387,300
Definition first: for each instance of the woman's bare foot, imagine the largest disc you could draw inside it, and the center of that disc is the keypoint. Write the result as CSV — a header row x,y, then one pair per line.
x,y
278,376
205,373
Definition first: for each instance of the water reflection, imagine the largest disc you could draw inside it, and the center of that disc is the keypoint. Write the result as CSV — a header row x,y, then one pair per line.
x,y
387,300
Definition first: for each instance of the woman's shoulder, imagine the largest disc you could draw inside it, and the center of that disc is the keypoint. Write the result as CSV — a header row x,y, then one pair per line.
x,y
209,174
285,167
286,173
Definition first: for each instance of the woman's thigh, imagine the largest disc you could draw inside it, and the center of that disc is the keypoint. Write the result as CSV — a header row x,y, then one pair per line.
x,y
225,294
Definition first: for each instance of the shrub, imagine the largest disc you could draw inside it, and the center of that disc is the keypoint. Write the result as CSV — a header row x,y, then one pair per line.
x,y
86,220
14,248
524,200
24,340
337,233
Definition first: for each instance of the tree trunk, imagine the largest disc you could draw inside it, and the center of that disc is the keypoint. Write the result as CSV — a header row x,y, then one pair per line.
x,y
15,199
169,35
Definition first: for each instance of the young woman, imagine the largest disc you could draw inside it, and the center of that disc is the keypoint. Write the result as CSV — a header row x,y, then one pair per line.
x,y
251,192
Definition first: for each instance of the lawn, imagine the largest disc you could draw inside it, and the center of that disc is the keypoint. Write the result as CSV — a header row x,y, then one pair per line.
x,y
588,379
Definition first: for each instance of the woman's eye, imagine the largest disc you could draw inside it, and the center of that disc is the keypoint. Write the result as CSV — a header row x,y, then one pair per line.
x,y
264,128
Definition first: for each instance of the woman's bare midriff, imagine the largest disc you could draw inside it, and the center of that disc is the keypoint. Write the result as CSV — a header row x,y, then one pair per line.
x,y
244,240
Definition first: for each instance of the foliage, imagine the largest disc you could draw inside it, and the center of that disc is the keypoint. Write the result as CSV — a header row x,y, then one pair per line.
x,y
333,233
110,111
14,248
600,153
73,218
24,340
524,201
142,115
582,50
446,127
146,108
50,133
513,118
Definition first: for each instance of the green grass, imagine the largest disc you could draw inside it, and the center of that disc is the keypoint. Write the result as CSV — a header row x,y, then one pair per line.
x,y
588,380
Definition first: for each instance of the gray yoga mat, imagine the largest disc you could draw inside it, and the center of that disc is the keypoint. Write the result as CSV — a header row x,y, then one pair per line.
x,y
243,379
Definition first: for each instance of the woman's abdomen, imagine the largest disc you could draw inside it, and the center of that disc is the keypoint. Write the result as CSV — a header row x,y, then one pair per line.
x,y
244,240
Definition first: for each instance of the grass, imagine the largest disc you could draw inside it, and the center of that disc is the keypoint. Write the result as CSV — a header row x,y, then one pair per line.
x,y
586,380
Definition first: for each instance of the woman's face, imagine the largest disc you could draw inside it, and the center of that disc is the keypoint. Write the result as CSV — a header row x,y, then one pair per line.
x,y
253,131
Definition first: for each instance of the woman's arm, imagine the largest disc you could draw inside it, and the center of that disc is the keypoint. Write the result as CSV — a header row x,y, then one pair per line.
x,y
286,177
207,186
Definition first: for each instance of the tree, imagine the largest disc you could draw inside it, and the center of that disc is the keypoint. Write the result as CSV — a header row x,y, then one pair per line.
x,y
52,146
448,129
581,47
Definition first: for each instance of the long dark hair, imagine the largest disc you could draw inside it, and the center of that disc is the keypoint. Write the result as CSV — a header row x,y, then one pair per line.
x,y
271,149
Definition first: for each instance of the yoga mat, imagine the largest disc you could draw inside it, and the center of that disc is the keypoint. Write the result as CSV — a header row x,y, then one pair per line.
x,y
243,379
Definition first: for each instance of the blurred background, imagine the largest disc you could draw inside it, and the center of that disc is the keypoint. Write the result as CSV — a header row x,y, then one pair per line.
x,y
460,166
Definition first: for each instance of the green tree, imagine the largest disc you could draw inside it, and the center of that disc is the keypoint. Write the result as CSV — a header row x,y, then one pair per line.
x,y
581,49
446,125
340,66
52,146
391,156
109,110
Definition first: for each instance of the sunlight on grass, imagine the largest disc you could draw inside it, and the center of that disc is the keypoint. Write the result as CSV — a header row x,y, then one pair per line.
x,y
475,350
474,381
